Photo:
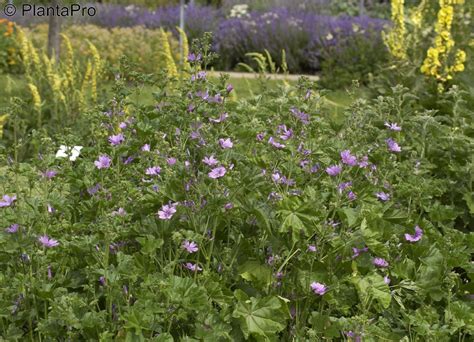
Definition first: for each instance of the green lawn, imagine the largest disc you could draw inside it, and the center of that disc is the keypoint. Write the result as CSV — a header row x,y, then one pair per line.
x,y
336,100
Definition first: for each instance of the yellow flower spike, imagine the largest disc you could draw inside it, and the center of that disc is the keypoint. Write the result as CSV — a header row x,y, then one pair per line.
x,y
395,39
167,55
436,63
35,96
69,61
184,38
3,120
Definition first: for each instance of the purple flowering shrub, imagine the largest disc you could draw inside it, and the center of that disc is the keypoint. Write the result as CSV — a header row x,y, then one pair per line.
x,y
342,46
232,220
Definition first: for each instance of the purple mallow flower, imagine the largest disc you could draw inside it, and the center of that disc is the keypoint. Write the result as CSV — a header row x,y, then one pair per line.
x,y
275,143
103,162
341,187
285,133
392,145
192,57
49,174
217,172
146,148
190,246
380,262
93,190
348,158
312,248
393,126
127,160
416,237
333,170
115,140
226,143
351,196
210,160
153,171
318,288
13,228
192,267
364,162
167,211
384,197
47,242
229,88
171,161
386,280
357,251
302,116
7,201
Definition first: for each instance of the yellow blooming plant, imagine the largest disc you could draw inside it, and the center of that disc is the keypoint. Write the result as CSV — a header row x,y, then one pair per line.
x,y
442,59
67,86
395,38
184,57
406,40
8,46
167,55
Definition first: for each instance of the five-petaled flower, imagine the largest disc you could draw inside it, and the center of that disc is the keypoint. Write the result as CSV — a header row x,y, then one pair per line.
x,y
393,146
48,174
210,160
416,237
348,158
380,262
153,171
393,126
190,246
103,162
115,140
318,288
333,170
7,201
167,211
383,196
13,228
217,172
192,267
48,242
226,143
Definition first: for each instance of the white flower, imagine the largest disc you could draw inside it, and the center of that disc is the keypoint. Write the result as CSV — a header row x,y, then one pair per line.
x,y
68,152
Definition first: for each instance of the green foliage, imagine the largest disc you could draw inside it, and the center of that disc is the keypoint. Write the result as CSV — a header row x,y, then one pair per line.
x,y
275,246
260,316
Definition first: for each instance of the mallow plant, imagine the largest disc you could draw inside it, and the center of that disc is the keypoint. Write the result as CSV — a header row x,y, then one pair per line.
x,y
206,218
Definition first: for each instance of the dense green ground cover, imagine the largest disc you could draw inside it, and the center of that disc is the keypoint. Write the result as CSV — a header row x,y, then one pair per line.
x,y
196,216
179,206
